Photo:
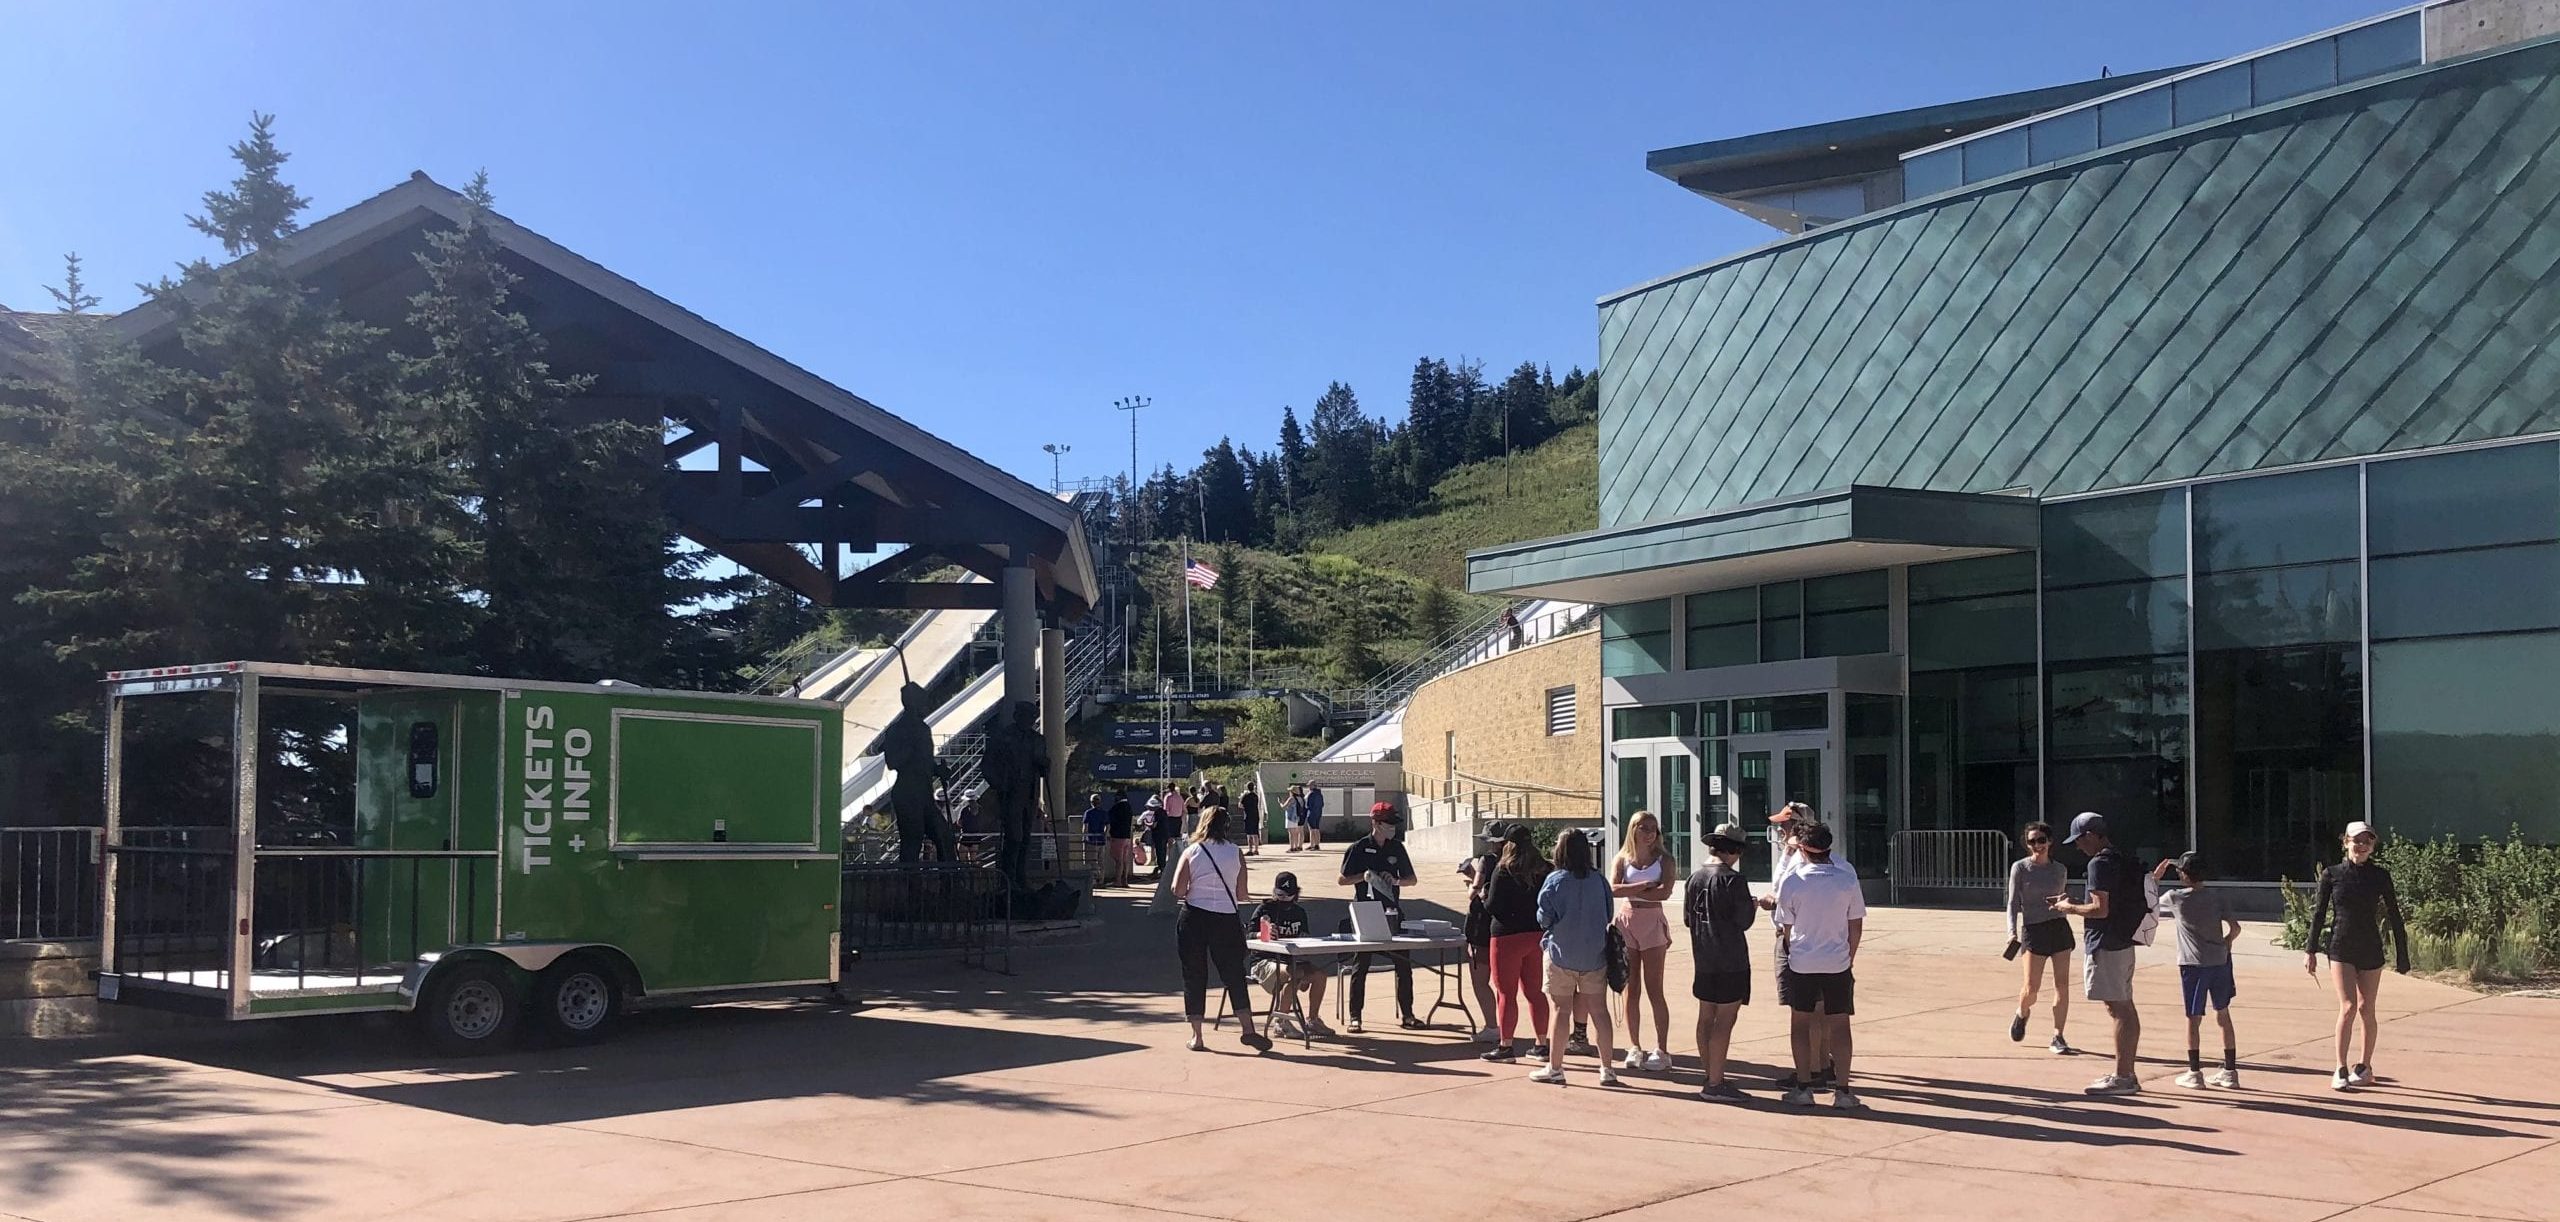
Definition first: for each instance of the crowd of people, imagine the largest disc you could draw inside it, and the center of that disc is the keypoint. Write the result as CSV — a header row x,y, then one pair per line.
x,y
1557,936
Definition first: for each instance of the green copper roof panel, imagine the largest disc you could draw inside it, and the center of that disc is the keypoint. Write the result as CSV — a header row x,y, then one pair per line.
x,y
2371,268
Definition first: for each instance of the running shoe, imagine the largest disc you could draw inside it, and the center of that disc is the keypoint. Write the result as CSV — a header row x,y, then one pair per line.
x,y
1355,1026
2361,1075
1723,1092
1502,1052
1318,1028
2192,1080
1548,1073
1847,1101
1799,1096
2061,1047
2341,1080
1578,1044
1631,1059
2227,1079
2017,1028
2113,1084
1656,1062
1257,1041
1608,1076
1410,1023
1538,1051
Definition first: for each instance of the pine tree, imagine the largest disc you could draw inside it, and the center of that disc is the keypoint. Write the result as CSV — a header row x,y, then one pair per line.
x,y
1226,499
1342,460
1433,614
1294,469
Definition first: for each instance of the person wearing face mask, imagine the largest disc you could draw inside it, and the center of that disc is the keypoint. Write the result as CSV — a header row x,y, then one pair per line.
x,y
2359,892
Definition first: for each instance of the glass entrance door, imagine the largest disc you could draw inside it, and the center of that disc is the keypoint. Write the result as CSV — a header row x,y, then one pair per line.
x,y
1661,776
1769,771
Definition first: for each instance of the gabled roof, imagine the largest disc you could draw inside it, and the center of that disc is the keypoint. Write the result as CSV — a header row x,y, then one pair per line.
x,y
815,439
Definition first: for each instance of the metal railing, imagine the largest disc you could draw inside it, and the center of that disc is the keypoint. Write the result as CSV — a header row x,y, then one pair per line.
x,y
49,883
359,917
173,914
789,664
928,909
1950,860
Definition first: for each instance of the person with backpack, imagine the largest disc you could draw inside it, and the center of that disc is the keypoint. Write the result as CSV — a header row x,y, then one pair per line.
x,y
1573,910
2110,916
1719,913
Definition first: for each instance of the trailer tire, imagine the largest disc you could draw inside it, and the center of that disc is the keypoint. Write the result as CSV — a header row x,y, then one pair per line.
x,y
575,1000
470,1009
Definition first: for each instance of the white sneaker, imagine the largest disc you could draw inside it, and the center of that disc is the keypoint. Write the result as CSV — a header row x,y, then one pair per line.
x,y
2191,1080
1798,1096
1655,1062
2113,1084
2340,1080
2224,1078
2361,1075
1845,1101
2060,1047
1548,1073
1630,1060
1608,1076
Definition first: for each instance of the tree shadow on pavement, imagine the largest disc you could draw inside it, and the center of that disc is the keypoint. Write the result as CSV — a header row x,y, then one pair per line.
x,y
67,1118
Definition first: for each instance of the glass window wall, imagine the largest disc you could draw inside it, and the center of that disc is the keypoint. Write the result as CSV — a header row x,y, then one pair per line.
x,y
2465,572
1847,615
2279,680
2116,686
1973,693
1724,628
1635,638
1781,621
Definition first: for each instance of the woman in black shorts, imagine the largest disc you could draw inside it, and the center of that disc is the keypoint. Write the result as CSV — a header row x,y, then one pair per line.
x,y
1719,915
2041,935
2361,894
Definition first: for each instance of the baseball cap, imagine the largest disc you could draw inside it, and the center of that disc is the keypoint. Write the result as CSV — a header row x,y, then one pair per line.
x,y
2359,828
2086,823
1285,884
1784,814
1727,838
1385,813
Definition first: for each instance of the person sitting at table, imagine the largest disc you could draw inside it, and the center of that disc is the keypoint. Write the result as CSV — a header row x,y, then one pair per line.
x,y
1278,919
1376,867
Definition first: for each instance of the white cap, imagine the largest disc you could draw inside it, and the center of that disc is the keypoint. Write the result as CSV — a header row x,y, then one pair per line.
x,y
2359,828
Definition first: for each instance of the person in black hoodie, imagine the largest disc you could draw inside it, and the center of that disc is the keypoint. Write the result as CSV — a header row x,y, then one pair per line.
x,y
1720,912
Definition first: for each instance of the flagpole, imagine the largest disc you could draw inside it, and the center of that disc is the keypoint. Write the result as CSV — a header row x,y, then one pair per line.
x,y
1190,673
1248,636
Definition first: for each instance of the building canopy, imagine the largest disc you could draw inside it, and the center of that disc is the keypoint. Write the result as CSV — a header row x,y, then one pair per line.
x,y
767,464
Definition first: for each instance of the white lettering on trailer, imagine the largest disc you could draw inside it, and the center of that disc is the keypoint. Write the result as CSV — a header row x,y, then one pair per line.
x,y
575,744
535,813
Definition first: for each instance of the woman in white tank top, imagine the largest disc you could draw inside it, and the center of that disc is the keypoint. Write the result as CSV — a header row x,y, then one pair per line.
x,y
1641,879
1211,882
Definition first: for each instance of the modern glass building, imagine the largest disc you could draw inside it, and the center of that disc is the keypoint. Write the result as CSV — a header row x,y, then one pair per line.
x,y
2184,447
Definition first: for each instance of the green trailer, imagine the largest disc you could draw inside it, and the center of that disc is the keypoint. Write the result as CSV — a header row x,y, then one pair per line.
x,y
520,855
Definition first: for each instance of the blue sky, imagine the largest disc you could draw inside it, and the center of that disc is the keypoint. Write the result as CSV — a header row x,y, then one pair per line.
x,y
996,218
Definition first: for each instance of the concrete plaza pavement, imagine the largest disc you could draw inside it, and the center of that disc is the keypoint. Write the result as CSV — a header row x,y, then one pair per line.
x,y
1062,1092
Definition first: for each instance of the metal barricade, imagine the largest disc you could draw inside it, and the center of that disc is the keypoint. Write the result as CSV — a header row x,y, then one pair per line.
x,y
49,883
927,909
1950,860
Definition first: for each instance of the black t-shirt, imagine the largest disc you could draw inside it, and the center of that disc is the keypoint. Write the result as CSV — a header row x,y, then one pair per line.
x,y
1389,859
1250,803
2114,872
1120,819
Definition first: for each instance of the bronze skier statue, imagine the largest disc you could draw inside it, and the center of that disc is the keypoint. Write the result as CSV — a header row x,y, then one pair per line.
x,y
906,747
1017,761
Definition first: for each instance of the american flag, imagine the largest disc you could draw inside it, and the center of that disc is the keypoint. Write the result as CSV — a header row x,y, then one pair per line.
x,y
1199,574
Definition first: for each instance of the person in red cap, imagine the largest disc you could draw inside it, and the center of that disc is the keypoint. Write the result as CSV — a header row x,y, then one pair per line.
x,y
1376,867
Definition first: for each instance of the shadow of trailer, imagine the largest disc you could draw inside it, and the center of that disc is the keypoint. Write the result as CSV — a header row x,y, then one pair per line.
x,y
492,855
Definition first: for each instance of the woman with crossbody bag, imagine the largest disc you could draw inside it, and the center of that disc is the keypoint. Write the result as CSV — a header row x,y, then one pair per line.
x,y
1211,883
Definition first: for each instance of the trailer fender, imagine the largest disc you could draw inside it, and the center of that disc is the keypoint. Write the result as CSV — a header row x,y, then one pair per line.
x,y
528,958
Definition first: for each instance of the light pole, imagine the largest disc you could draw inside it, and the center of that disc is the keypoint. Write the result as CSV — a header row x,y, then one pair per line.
x,y
1057,452
1132,405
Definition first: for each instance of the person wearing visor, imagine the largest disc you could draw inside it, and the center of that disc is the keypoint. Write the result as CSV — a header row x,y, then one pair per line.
x,y
2359,894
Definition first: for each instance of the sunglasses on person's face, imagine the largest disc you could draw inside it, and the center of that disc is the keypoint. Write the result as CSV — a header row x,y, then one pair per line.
x,y
2034,840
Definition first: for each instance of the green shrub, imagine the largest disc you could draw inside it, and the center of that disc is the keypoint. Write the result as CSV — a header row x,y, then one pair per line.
x,y
2296,934
2491,911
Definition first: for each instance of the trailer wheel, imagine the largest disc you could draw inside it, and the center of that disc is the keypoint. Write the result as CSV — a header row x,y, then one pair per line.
x,y
576,999
470,1009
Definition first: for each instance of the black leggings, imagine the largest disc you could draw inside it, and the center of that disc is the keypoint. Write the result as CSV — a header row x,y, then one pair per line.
x,y
1203,937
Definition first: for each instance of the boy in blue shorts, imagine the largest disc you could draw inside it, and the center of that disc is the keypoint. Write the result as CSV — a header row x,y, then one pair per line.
x,y
2205,934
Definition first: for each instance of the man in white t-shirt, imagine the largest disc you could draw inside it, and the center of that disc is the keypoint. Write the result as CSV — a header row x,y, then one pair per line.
x,y
1820,914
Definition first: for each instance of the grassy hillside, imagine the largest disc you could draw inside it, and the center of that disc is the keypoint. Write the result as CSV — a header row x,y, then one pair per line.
x,y
1551,490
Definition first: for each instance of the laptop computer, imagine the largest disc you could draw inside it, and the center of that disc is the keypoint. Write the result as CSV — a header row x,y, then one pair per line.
x,y
1369,921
